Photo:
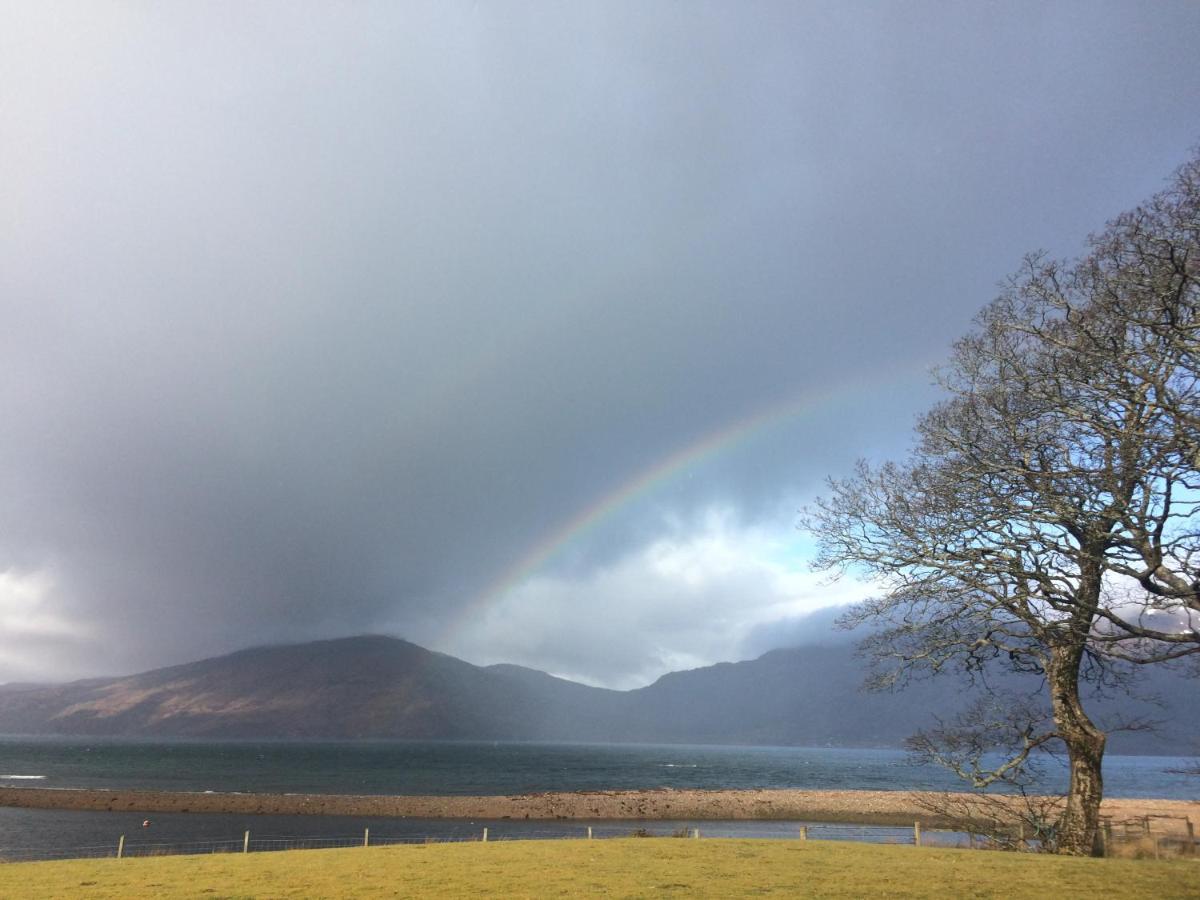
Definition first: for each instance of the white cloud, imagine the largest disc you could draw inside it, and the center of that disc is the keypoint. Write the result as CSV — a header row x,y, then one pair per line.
x,y
688,598
29,625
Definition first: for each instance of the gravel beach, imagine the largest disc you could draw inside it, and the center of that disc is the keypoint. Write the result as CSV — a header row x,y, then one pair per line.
x,y
865,807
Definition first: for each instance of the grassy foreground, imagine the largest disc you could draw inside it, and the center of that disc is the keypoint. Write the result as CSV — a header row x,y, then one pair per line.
x,y
617,868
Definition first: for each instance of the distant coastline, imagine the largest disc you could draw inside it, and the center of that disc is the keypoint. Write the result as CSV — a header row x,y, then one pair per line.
x,y
861,807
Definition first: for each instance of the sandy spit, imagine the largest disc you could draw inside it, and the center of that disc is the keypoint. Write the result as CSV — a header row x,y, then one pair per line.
x,y
866,807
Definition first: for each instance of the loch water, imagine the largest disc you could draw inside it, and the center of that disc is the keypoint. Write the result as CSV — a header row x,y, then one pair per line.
x,y
437,768
466,768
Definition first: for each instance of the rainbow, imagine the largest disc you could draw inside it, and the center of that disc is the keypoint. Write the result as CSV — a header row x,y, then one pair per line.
x,y
653,478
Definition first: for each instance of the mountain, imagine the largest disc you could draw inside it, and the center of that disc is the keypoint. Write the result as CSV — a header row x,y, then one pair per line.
x,y
349,688
381,687
813,696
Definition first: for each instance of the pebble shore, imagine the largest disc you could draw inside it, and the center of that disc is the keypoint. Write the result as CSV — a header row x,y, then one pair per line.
x,y
863,807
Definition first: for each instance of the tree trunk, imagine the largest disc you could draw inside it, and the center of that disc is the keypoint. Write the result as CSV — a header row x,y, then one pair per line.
x,y
1078,826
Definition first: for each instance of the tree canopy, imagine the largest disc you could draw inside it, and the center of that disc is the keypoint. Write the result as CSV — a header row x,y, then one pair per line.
x,y
1048,516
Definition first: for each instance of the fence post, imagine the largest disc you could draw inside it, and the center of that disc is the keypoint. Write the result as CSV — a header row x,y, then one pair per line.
x,y
1021,836
917,832
696,833
589,832
485,835
804,832
121,847
366,837
1191,830
246,842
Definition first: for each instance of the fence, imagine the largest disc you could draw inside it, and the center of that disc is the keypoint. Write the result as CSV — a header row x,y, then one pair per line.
x,y
250,843
1149,836
1135,838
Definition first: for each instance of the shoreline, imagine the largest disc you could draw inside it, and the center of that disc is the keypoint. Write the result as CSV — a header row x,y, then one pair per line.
x,y
851,807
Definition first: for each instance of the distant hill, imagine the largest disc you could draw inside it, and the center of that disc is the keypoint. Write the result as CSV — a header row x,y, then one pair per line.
x,y
380,687
355,687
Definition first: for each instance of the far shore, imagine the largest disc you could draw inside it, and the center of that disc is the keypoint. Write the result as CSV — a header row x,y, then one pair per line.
x,y
861,807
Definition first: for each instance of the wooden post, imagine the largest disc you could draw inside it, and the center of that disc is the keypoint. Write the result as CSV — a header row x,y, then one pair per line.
x,y
366,837
121,847
804,832
246,842
485,835
696,833
917,832
1157,841
589,832
1191,829
1102,839
1021,836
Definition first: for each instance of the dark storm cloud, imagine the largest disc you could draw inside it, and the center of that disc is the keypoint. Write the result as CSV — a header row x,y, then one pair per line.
x,y
317,317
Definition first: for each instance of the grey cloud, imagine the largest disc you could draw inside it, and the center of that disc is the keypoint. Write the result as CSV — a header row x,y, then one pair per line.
x,y
315,318
818,628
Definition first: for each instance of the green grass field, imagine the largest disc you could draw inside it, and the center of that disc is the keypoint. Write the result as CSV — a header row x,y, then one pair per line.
x,y
629,867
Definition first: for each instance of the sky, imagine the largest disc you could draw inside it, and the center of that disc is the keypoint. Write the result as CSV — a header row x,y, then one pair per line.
x,y
522,331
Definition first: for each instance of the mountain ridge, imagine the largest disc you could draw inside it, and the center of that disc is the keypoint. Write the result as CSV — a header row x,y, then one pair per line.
x,y
373,686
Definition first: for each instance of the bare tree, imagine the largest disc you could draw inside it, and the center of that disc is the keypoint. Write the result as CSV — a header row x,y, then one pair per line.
x,y
1046,520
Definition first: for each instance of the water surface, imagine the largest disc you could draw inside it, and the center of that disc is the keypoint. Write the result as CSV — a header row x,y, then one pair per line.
x,y
442,768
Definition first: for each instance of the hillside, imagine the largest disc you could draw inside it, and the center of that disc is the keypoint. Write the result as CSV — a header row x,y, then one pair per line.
x,y
379,687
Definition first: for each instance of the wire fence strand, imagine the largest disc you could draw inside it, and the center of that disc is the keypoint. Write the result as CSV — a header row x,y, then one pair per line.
x,y
249,843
